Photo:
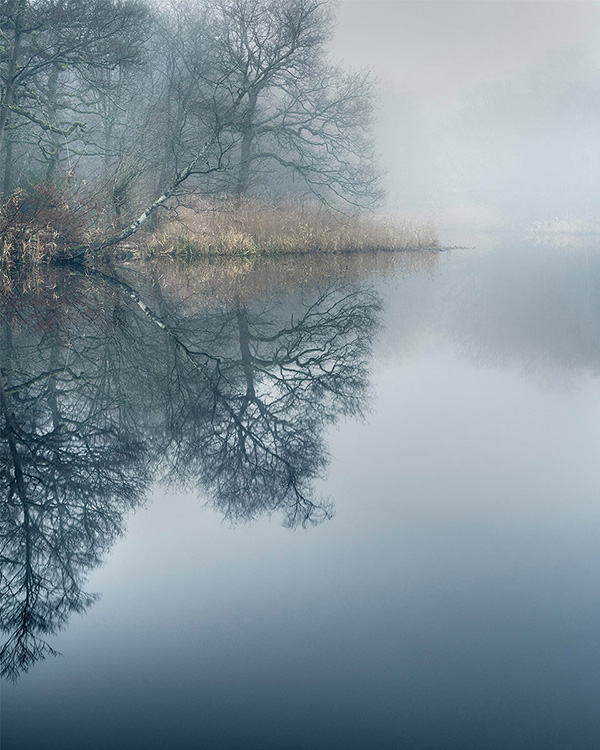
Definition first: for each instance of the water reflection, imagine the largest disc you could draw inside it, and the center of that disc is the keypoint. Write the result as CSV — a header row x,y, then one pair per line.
x,y
132,381
532,309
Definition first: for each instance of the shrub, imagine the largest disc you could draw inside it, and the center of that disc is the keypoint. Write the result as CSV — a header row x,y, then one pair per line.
x,y
36,223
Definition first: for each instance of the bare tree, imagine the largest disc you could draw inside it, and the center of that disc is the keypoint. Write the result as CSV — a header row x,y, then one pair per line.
x,y
299,117
256,385
72,465
46,41
237,97
129,383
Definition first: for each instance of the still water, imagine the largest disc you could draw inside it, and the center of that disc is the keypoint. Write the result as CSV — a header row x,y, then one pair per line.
x,y
349,503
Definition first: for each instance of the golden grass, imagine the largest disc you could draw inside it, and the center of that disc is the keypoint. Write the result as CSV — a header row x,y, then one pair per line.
x,y
258,228
35,225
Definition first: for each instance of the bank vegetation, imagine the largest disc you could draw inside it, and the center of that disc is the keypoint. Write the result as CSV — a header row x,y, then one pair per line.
x,y
258,228
116,115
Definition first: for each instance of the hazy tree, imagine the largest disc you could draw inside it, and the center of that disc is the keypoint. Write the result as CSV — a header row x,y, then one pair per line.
x,y
44,41
297,114
250,93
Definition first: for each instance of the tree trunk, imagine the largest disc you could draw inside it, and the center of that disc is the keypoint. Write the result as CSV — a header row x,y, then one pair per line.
x,y
243,178
8,99
244,336
7,180
80,251
54,160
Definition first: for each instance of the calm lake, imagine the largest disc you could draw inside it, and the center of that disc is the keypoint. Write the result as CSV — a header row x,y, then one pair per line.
x,y
325,503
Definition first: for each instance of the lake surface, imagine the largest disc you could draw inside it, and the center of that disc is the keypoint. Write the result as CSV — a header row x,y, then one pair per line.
x,y
349,503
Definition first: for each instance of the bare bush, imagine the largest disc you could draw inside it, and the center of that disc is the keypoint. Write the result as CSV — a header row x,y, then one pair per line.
x,y
35,224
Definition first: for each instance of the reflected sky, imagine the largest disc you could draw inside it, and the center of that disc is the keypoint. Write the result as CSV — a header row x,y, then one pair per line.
x,y
452,601
136,383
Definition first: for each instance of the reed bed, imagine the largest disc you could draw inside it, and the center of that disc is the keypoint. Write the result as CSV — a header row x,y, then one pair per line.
x,y
257,228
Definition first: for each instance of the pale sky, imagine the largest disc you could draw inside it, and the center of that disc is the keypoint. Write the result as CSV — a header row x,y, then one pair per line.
x,y
444,47
437,59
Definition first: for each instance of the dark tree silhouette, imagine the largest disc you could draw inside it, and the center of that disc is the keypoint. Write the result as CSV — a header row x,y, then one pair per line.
x,y
253,78
48,50
71,465
130,383
278,378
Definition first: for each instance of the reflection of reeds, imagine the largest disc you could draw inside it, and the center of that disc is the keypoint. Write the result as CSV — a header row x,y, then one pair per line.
x,y
245,278
254,228
210,278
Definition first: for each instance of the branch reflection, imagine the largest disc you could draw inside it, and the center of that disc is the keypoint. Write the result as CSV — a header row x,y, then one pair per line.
x,y
132,382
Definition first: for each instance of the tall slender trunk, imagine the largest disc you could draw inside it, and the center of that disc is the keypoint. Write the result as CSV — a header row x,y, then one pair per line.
x,y
7,180
243,178
166,147
168,136
10,88
55,147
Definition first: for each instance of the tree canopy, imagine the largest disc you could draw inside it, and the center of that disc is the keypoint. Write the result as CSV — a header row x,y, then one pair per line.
x,y
120,105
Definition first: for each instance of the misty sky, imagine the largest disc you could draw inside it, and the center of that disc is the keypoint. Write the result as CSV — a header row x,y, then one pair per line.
x,y
442,48
455,75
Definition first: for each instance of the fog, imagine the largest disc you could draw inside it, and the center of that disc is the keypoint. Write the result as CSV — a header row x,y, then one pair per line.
x,y
487,111
326,498
484,114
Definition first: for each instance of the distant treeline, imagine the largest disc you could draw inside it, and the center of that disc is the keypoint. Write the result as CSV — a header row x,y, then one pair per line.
x,y
108,105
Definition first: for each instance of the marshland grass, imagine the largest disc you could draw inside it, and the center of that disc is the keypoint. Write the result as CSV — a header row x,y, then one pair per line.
x,y
258,228
36,226
24,259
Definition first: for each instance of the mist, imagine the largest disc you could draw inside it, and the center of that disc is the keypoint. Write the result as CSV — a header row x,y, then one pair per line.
x,y
487,112
300,374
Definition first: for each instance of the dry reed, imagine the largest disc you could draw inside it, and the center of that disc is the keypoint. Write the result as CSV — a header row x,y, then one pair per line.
x,y
35,225
257,228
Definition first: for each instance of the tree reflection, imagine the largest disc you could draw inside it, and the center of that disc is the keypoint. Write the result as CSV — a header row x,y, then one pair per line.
x,y
71,464
278,379
130,383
